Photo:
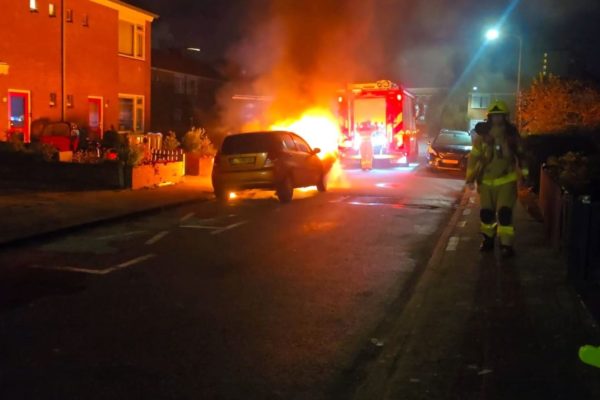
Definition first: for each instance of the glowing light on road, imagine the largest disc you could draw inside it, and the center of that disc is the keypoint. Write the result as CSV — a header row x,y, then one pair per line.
x,y
307,189
232,196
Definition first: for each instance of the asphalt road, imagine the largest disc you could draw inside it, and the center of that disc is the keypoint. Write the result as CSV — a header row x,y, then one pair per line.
x,y
252,299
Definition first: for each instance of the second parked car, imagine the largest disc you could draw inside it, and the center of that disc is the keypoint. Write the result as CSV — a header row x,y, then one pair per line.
x,y
276,160
449,150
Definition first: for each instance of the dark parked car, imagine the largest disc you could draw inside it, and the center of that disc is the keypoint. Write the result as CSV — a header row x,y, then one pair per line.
x,y
449,150
276,160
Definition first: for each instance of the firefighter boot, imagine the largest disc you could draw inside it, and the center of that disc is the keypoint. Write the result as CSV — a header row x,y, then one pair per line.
x,y
487,244
507,251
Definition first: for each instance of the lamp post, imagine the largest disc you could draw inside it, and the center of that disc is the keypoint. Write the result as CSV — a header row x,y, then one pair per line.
x,y
494,34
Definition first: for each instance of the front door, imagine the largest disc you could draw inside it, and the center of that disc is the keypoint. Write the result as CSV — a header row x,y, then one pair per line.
x,y
95,117
19,114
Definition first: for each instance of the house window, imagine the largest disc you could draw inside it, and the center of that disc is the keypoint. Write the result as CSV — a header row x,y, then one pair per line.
x,y
86,20
192,88
131,39
131,113
179,84
51,10
69,16
480,101
33,7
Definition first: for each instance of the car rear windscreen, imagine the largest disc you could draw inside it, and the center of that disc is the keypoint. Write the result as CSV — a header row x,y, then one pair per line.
x,y
453,139
250,143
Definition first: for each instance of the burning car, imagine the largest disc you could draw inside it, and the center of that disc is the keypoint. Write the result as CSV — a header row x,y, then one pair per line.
x,y
278,160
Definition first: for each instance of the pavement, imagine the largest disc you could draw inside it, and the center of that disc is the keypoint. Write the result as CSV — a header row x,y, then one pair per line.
x,y
29,215
374,290
479,327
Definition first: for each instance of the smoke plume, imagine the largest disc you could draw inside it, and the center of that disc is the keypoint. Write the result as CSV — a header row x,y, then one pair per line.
x,y
300,53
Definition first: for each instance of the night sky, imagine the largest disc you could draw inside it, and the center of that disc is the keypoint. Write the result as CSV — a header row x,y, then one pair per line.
x,y
426,43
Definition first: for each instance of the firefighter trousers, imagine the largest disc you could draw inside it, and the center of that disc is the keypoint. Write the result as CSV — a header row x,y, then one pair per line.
x,y
366,154
498,198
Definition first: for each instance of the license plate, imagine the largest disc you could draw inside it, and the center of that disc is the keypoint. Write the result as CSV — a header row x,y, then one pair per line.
x,y
242,160
451,162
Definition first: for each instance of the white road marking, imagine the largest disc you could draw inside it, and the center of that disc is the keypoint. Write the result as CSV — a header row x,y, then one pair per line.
x,y
453,243
120,235
467,211
340,200
227,228
186,217
134,261
207,227
461,224
104,271
156,238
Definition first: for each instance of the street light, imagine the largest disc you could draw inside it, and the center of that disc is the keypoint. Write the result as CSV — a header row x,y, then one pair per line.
x,y
494,34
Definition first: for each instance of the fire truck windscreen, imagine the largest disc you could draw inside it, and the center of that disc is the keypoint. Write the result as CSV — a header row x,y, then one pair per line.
x,y
370,109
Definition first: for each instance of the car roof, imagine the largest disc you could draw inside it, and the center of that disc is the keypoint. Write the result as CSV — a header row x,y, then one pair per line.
x,y
260,133
453,132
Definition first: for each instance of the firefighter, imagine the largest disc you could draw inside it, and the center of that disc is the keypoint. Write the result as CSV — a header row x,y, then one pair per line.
x,y
365,131
496,164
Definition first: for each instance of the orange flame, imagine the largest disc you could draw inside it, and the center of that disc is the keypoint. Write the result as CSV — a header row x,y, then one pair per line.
x,y
318,127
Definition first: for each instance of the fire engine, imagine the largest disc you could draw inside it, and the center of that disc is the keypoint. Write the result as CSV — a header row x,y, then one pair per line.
x,y
388,111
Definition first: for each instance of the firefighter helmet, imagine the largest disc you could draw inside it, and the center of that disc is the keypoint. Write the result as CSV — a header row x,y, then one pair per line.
x,y
498,107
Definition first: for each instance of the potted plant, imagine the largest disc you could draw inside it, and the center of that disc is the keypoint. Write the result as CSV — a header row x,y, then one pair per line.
x,y
199,152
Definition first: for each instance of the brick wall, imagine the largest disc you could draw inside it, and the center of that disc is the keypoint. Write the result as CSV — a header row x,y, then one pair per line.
x,y
30,43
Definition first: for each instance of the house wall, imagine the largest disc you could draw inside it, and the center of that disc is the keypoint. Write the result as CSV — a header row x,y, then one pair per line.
x,y
30,43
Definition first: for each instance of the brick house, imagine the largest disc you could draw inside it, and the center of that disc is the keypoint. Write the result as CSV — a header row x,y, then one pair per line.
x,y
479,103
83,61
185,91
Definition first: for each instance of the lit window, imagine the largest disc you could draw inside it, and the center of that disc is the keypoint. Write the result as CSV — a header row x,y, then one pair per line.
x,y
139,114
479,101
52,10
131,39
131,113
33,5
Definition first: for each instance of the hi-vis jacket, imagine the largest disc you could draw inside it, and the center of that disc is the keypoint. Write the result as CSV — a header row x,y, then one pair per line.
x,y
497,156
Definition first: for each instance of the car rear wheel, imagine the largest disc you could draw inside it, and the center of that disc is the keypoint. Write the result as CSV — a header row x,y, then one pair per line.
x,y
221,194
285,190
322,183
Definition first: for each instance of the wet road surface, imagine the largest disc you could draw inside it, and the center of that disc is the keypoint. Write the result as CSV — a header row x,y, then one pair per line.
x,y
251,299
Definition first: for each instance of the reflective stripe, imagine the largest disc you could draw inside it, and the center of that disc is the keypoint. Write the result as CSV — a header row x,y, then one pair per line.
x,y
506,230
511,177
489,229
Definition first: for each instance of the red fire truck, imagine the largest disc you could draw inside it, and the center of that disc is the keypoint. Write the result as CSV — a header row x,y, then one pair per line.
x,y
388,111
